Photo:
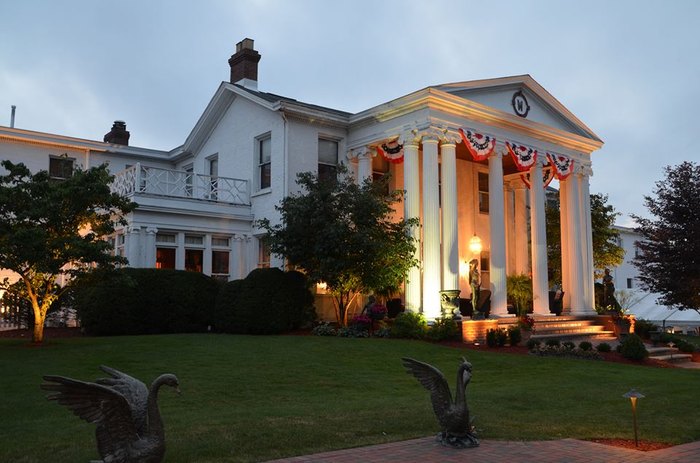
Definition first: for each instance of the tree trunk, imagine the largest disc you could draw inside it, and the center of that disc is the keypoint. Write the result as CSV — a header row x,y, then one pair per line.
x,y
39,319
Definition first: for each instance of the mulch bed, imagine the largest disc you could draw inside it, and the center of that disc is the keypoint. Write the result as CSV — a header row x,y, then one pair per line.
x,y
644,445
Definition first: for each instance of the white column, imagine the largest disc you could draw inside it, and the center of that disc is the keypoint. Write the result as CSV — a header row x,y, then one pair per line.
x,y
510,228
588,266
364,168
538,238
133,246
431,229
522,255
566,281
180,251
450,233
412,210
206,257
575,245
150,248
497,237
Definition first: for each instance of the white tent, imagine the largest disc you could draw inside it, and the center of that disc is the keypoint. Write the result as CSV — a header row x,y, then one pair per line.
x,y
667,318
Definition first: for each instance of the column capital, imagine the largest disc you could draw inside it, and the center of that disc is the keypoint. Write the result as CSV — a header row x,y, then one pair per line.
x,y
361,152
410,137
583,170
151,230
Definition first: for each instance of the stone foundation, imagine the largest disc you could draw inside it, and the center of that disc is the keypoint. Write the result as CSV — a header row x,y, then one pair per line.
x,y
475,330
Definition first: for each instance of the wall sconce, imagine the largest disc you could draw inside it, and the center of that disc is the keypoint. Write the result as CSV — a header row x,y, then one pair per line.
x,y
475,244
633,395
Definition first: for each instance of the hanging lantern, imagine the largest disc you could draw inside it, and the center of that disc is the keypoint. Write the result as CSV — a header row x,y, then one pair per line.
x,y
475,244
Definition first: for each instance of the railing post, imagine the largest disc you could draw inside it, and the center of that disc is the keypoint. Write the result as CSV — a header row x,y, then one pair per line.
x,y
137,178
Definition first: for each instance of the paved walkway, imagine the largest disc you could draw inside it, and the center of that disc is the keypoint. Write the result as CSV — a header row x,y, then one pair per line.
x,y
426,450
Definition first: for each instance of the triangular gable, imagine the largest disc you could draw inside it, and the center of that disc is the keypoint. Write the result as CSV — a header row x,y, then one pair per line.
x,y
506,95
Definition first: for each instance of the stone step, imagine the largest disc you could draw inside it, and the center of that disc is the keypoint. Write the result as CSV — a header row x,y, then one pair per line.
x,y
598,335
673,358
570,329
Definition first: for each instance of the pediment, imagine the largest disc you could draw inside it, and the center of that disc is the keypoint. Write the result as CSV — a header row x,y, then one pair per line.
x,y
523,97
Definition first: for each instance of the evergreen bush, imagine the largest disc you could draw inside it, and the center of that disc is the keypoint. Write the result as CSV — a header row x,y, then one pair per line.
x,y
515,335
585,345
643,327
633,348
444,329
603,347
145,301
408,325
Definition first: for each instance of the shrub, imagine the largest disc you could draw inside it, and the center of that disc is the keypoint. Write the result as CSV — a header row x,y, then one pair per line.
x,y
324,329
553,342
501,337
585,345
685,346
563,351
496,337
633,348
145,301
408,325
444,329
515,335
603,347
226,299
533,343
643,327
568,345
267,301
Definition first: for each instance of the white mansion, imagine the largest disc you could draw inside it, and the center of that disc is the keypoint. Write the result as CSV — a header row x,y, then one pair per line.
x,y
473,158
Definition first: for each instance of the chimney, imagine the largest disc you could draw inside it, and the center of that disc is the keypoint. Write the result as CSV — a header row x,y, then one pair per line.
x,y
244,65
118,135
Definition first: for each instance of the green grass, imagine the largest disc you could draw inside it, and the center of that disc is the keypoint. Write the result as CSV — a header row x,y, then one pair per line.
x,y
258,398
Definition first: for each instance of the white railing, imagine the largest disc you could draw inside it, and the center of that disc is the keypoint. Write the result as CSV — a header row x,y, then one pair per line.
x,y
140,179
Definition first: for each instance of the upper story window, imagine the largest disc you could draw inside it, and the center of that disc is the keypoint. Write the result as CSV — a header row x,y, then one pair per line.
x,y
214,176
264,149
60,167
483,192
327,159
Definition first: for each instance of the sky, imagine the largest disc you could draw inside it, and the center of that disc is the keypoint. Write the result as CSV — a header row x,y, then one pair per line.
x,y
630,70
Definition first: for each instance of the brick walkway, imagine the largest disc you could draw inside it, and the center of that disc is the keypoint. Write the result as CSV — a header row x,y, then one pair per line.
x,y
426,450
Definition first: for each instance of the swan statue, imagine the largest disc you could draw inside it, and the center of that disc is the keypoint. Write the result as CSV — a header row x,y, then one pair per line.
x,y
129,426
453,415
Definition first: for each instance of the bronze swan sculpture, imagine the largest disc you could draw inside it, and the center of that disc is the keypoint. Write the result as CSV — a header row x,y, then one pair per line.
x,y
129,425
452,415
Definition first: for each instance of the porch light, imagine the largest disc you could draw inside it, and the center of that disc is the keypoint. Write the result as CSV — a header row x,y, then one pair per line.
x,y
475,244
633,395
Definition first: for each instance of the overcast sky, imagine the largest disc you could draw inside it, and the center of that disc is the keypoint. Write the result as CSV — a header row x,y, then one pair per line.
x,y
630,70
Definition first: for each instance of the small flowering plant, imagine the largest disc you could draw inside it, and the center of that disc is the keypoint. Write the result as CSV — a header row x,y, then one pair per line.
x,y
361,320
526,322
377,311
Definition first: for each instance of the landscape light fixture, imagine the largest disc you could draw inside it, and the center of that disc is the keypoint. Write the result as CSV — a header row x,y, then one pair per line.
x,y
633,395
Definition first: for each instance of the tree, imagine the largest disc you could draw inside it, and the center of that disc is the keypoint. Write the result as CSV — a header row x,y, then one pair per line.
x,y
54,228
669,253
345,235
606,250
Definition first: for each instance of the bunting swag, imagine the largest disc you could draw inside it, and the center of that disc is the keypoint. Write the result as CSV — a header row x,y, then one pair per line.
x,y
563,165
523,156
480,146
547,177
392,151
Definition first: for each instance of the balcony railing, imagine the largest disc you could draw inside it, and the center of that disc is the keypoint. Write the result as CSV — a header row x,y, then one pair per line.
x,y
139,179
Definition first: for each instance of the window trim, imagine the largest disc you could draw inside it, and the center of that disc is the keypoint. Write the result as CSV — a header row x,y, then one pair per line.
x,y
259,140
61,158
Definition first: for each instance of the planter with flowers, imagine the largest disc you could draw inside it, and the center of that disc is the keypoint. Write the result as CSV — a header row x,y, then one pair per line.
x,y
527,325
377,311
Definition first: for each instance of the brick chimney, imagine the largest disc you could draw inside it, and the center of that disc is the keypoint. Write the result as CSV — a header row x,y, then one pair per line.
x,y
244,65
118,135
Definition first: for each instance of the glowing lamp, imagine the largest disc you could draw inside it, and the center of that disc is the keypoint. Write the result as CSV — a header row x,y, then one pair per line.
x,y
475,244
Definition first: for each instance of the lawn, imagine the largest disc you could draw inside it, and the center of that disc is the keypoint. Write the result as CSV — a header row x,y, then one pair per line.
x,y
250,398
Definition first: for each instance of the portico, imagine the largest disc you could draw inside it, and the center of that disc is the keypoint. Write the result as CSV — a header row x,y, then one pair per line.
x,y
472,165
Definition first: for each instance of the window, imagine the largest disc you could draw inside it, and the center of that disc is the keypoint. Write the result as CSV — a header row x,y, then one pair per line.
x,y
189,174
214,180
219,262
484,261
60,167
327,159
121,241
220,242
165,238
194,239
380,168
483,192
263,254
630,282
193,260
265,163
637,251
165,258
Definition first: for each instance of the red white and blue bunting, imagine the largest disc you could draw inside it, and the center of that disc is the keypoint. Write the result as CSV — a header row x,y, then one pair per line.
x,y
523,156
547,177
563,165
479,145
391,151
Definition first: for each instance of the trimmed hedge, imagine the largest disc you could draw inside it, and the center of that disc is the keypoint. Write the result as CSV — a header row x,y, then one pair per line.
x,y
267,301
145,301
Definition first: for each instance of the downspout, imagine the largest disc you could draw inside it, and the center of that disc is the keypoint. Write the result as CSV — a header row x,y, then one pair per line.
x,y
285,154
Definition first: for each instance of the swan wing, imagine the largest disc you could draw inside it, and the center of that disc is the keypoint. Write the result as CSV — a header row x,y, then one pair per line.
x,y
134,391
434,381
97,404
